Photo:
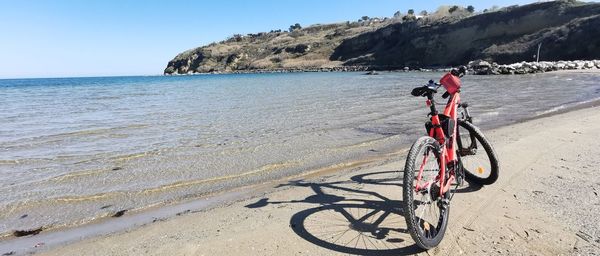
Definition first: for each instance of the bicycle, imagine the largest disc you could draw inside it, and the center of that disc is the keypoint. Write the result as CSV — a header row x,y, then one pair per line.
x,y
447,156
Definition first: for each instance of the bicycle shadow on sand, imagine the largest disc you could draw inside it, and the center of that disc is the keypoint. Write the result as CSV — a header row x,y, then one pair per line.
x,y
351,217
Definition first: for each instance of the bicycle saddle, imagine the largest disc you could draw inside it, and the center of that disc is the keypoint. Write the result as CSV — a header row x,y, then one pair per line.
x,y
422,91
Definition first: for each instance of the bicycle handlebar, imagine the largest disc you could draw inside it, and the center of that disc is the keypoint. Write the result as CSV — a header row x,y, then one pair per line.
x,y
460,72
431,88
426,90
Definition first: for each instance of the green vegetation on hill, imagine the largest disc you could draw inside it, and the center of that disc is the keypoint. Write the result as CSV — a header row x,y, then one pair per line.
x,y
452,35
298,48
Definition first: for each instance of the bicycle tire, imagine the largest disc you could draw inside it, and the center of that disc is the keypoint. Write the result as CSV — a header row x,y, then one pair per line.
x,y
418,227
474,132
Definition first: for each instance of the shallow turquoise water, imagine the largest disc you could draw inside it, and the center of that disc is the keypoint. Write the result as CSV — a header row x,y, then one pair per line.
x,y
76,149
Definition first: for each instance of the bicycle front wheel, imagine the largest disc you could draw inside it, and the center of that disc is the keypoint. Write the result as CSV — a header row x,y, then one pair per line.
x,y
477,157
426,211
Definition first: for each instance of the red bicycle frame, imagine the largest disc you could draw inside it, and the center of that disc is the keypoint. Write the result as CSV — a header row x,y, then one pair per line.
x,y
448,148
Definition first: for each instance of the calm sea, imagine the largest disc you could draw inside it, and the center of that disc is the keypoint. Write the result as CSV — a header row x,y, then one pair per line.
x,y
76,149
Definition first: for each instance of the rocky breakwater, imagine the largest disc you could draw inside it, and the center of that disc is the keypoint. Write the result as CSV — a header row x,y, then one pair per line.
x,y
481,67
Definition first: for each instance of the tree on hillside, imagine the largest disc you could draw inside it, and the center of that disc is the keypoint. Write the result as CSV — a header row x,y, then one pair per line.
x,y
398,15
453,9
295,26
409,18
365,17
411,12
470,9
423,13
237,37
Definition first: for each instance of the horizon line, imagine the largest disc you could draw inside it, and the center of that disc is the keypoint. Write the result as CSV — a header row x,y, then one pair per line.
x,y
76,76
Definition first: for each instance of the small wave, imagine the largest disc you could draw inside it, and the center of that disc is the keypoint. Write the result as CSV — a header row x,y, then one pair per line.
x,y
263,169
128,157
52,138
132,156
104,98
73,175
32,203
552,110
346,165
8,162
21,161
94,197
366,143
566,106
83,132
135,126
489,114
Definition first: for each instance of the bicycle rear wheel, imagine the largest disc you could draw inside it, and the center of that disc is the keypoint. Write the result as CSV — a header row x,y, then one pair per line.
x,y
426,212
477,157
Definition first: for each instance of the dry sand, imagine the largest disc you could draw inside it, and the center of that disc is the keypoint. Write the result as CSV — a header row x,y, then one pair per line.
x,y
546,202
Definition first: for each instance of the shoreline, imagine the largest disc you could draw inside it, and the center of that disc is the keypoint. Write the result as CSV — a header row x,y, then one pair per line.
x,y
478,67
137,219
508,217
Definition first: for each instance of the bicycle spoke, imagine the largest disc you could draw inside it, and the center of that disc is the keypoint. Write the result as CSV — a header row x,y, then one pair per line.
x,y
341,235
364,242
373,244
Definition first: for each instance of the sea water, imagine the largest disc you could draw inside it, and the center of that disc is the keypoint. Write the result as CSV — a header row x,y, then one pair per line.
x,y
73,150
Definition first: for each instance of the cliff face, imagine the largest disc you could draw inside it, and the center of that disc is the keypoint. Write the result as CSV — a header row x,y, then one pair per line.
x,y
578,39
566,30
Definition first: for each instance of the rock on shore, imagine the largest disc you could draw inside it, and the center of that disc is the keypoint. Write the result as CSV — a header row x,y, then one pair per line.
x,y
482,67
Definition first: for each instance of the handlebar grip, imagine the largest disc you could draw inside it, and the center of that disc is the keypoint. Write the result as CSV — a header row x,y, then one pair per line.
x,y
459,72
445,95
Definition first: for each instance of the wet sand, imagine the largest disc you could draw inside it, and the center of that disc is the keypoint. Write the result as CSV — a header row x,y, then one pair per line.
x,y
545,203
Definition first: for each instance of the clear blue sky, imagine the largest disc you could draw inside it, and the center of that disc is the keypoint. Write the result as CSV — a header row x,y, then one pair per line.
x,y
124,37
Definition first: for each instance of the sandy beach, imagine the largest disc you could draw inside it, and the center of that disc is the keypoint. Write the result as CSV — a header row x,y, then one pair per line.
x,y
545,203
